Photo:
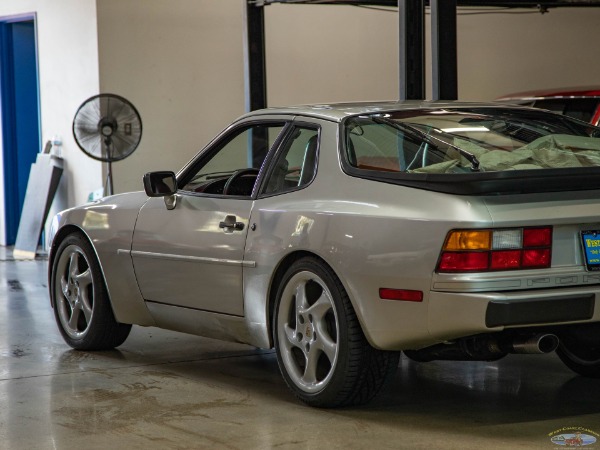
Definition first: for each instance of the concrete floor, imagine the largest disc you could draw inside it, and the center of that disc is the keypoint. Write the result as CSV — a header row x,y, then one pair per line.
x,y
168,390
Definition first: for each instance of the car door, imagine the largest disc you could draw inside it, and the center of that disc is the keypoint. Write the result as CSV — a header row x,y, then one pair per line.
x,y
192,255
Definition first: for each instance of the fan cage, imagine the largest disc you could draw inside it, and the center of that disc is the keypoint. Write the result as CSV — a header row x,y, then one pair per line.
x,y
107,127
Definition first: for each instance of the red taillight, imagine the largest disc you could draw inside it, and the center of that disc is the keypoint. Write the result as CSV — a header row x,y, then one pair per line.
x,y
536,258
501,249
506,260
459,261
537,237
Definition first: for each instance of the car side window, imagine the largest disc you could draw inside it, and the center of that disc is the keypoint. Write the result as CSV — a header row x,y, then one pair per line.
x,y
296,164
233,167
383,148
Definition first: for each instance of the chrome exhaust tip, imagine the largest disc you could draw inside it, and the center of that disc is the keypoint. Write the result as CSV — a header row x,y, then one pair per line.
x,y
535,344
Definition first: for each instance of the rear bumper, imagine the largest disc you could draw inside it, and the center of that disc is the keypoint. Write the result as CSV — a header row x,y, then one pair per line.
x,y
453,315
540,311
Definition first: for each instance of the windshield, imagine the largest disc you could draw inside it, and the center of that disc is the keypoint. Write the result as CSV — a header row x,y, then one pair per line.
x,y
469,140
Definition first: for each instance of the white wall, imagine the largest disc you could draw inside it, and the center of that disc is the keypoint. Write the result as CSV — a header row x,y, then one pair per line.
x,y
181,64
68,74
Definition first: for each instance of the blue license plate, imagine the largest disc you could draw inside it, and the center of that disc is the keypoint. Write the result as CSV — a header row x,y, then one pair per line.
x,y
591,249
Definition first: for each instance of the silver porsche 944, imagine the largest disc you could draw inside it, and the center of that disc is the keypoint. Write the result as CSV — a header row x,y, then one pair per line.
x,y
341,235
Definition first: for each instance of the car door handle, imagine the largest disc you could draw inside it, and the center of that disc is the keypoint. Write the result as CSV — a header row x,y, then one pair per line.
x,y
230,224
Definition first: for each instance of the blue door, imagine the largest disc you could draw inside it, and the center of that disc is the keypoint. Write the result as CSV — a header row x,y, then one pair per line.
x,y
20,115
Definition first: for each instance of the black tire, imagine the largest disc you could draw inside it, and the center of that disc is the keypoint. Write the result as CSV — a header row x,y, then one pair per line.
x,y
80,300
322,352
579,350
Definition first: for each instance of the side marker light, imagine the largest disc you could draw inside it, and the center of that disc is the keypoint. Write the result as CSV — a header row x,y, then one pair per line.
x,y
405,295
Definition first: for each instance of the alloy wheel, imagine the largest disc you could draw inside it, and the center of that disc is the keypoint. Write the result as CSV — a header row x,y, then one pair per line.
x,y
74,293
307,324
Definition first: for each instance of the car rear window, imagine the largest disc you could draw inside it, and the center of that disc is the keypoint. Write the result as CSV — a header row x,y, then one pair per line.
x,y
469,140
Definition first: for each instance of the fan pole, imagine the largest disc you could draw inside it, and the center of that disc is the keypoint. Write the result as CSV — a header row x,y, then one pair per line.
x,y
109,180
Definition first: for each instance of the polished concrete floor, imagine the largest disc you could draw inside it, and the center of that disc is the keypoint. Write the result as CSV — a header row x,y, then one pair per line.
x,y
167,390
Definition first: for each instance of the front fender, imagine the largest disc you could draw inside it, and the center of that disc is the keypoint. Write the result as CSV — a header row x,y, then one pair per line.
x,y
109,224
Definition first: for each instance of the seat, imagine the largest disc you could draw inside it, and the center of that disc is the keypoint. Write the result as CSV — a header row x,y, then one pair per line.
x,y
309,163
277,178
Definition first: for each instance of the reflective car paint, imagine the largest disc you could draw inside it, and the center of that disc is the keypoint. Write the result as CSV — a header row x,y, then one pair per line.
x,y
373,235
109,223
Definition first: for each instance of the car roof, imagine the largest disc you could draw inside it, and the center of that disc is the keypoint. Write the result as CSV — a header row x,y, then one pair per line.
x,y
582,91
338,111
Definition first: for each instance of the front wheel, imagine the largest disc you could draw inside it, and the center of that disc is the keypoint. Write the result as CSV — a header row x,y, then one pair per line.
x,y
81,305
322,352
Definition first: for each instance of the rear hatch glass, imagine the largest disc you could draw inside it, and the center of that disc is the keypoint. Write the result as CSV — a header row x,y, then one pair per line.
x,y
474,150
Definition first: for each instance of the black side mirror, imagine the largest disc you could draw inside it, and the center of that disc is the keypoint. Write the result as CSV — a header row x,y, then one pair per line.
x,y
160,184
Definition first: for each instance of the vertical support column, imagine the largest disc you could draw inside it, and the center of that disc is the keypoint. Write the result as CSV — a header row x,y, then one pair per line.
x,y
411,34
255,70
443,50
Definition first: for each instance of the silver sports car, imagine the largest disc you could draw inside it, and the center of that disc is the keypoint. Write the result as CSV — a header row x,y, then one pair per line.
x,y
341,235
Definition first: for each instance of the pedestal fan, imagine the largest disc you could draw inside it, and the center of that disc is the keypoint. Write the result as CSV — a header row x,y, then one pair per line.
x,y
108,128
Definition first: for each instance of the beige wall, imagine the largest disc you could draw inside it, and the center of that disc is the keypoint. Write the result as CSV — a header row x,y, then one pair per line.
x,y
319,53
68,74
504,53
181,64
322,53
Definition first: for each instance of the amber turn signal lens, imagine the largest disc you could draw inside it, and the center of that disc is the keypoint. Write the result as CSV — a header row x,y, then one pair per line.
x,y
468,240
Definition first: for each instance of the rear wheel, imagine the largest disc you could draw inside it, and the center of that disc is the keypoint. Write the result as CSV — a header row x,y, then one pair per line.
x,y
322,352
579,349
81,305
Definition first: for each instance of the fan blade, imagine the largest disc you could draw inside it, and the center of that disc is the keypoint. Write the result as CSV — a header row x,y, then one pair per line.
x,y
124,145
93,146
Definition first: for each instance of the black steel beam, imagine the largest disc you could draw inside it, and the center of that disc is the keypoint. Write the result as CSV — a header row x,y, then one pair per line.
x,y
255,68
444,66
411,15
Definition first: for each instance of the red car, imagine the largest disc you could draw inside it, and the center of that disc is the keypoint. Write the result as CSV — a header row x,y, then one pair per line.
x,y
582,103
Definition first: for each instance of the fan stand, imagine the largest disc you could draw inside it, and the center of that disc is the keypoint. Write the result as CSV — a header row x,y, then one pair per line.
x,y
107,128
108,185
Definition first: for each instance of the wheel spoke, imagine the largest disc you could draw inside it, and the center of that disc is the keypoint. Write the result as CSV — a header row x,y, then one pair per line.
x,y
310,372
73,266
73,321
325,343
84,279
64,287
301,302
300,308
320,307
86,306
290,335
